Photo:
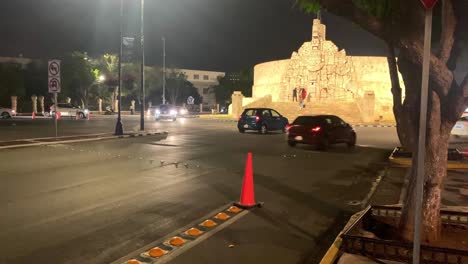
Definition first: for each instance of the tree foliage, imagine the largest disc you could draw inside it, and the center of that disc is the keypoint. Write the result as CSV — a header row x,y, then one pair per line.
x,y
235,81
77,77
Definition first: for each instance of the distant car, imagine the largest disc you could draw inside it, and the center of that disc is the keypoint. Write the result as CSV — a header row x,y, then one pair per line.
x,y
461,127
71,110
166,112
182,111
6,113
151,111
261,120
321,130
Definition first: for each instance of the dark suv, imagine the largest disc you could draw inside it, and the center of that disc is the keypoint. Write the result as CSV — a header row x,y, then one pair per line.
x,y
261,120
321,130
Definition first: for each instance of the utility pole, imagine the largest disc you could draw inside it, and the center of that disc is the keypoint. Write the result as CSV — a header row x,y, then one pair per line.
x,y
142,81
164,70
118,126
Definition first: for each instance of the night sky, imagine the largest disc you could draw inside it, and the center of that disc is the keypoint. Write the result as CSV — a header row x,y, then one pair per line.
x,y
223,35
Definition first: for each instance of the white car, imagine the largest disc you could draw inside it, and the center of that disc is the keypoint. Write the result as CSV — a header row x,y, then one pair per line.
x,y
461,127
69,110
6,113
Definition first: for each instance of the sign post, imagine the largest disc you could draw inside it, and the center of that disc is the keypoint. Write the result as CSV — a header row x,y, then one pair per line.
x,y
428,5
55,86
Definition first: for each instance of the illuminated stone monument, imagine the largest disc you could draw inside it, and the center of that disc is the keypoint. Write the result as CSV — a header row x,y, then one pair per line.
x,y
330,76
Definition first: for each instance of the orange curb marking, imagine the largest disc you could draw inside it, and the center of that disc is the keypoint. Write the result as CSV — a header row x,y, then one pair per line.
x,y
176,241
234,209
208,223
133,261
222,216
157,252
193,232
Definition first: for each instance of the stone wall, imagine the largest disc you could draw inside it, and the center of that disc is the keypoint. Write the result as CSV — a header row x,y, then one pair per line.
x,y
267,79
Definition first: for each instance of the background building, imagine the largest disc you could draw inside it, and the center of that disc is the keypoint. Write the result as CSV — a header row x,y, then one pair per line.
x,y
204,81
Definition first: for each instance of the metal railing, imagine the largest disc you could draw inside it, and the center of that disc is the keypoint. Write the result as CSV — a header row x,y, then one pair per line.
x,y
402,251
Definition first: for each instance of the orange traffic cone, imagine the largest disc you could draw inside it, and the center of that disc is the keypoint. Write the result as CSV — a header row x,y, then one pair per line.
x,y
89,115
33,116
77,116
247,198
58,115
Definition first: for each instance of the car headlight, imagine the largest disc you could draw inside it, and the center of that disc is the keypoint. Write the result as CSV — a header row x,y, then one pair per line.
x,y
157,112
173,112
183,111
86,111
13,111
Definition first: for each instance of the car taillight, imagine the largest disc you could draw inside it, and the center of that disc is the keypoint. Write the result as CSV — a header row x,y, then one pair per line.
x,y
240,117
288,127
257,118
316,129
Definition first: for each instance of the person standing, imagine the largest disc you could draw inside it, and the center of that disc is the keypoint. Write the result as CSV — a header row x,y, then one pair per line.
x,y
300,98
303,96
295,94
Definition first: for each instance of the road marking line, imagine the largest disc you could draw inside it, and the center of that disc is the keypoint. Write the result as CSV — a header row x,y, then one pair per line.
x,y
202,238
176,251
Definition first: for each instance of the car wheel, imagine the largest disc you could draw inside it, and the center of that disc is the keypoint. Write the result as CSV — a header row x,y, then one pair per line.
x,y
263,130
82,116
6,115
157,119
291,143
352,141
324,144
174,119
241,130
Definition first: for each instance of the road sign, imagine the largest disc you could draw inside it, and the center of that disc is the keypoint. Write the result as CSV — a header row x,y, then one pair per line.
x,y
190,100
54,76
428,4
54,85
54,68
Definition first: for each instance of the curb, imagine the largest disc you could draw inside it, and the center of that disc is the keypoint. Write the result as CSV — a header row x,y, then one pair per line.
x,y
36,142
406,163
364,125
332,253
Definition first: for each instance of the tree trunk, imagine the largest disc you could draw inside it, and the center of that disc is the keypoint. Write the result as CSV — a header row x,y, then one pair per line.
x,y
438,135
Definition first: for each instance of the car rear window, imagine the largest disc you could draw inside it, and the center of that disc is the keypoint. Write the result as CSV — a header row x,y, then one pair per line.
x,y
250,112
308,121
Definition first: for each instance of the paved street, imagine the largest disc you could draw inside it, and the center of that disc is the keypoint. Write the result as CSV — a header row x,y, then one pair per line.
x,y
94,202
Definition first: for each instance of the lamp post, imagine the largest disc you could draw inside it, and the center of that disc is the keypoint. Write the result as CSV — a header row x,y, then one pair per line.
x,y
164,70
118,126
142,83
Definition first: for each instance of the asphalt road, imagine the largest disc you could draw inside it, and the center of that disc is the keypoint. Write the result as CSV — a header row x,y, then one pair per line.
x,y
94,202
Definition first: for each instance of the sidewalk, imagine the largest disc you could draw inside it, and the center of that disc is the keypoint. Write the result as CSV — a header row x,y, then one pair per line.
x,y
264,236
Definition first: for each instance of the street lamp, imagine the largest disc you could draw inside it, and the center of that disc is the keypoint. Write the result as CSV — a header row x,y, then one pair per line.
x,y
119,126
142,83
101,78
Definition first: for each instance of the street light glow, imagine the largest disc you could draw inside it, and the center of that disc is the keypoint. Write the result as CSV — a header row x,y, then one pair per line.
x,y
102,78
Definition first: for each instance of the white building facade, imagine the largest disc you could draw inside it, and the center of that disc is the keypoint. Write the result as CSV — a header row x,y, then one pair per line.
x,y
204,81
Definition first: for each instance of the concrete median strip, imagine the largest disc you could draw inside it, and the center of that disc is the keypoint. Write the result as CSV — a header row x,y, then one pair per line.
x,y
21,143
174,244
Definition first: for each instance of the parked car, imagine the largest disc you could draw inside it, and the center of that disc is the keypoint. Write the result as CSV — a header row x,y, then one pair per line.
x,y
166,112
461,127
71,110
261,120
321,130
6,113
